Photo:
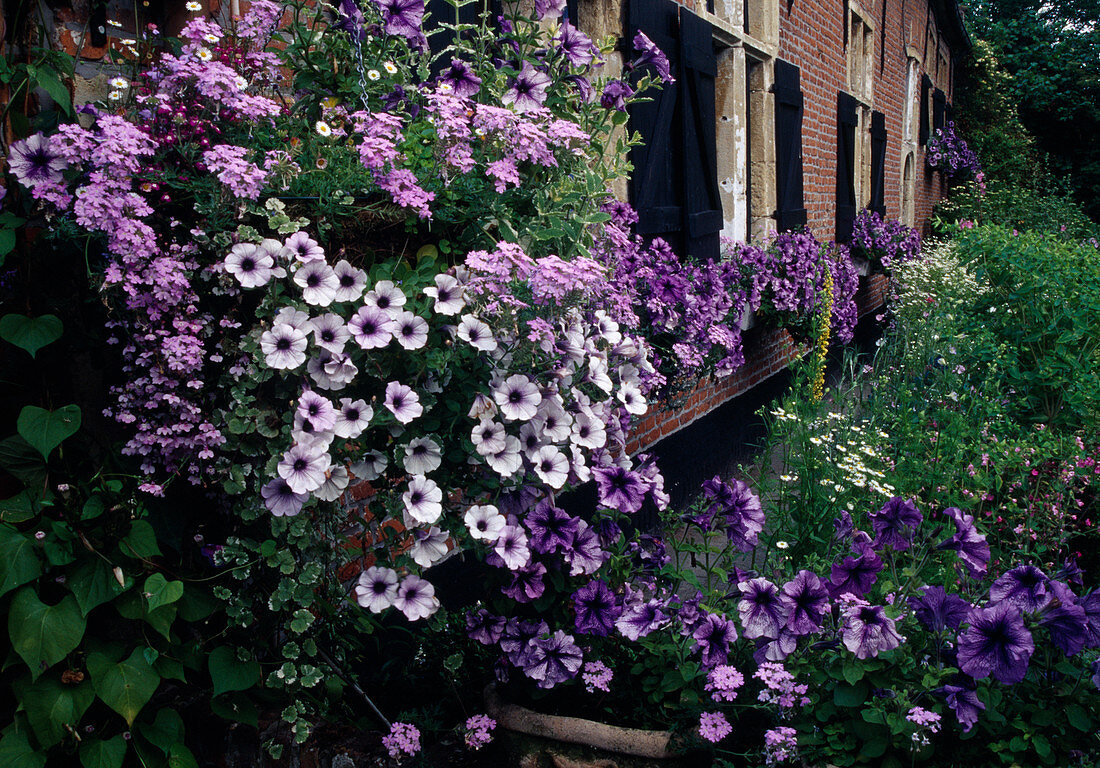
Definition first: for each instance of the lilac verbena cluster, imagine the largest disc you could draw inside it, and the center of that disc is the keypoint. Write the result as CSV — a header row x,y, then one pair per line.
x,y
690,311
403,739
479,731
948,153
884,242
780,745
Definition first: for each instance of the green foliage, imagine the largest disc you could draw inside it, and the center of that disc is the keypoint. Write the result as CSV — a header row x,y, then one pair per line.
x,y
30,333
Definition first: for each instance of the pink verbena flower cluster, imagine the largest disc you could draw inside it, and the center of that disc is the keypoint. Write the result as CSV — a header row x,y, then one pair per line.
x,y
780,687
479,731
713,726
403,739
780,745
723,682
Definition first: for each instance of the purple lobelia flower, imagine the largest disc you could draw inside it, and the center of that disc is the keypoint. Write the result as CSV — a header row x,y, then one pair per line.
x,y
462,80
552,659
596,611
402,17
855,575
1026,587
868,631
803,603
34,162
713,637
966,705
1065,620
640,619
759,609
938,610
528,90
526,583
996,643
895,523
971,545
551,527
649,53
615,94
576,46
484,627
620,489
517,636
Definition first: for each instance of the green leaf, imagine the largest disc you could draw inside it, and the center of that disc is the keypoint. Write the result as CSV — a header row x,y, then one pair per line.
x,y
7,243
161,620
230,673
141,542
16,751
45,430
1078,718
93,583
20,508
43,634
126,686
101,753
165,731
170,668
51,83
30,333
159,591
180,756
19,562
53,708
852,672
21,460
849,695
237,708
196,605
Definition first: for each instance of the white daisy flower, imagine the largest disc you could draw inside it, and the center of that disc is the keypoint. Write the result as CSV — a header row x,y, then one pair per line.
x,y
390,67
119,83
193,6
322,128
373,74
204,54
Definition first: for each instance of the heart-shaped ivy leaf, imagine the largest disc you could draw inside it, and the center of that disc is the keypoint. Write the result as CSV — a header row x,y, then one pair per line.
x,y
45,430
30,333
43,634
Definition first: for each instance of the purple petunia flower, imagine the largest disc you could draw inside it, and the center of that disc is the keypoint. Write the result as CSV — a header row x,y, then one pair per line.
x,y
895,524
939,610
759,609
511,547
549,9
803,603
528,90
585,555
517,636
1066,621
551,527
971,545
1026,587
596,610
553,659
615,94
855,575
996,643
712,637
966,705
34,161
620,489
403,18
484,627
640,619
526,583
651,54
868,631
352,20
416,598
464,83
281,500
576,45
1091,605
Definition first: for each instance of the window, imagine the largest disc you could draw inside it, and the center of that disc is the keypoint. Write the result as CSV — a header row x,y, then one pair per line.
x,y
861,51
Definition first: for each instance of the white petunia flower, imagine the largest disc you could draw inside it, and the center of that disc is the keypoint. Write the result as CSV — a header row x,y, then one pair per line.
x,y
428,547
476,333
551,466
518,398
352,281
632,399
303,468
377,588
370,467
488,437
447,293
423,500
330,333
353,417
335,484
284,347
485,522
506,462
318,283
386,296
410,330
422,455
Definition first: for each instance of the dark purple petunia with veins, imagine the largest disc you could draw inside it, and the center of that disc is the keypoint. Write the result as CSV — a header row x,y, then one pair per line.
x,y
895,523
596,610
996,644
528,91
651,54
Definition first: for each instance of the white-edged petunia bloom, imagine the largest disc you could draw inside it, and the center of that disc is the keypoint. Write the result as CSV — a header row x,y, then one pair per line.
x,y
281,500
318,282
252,267
551,465
295,318
597,374
377,588
518,398
422,455
371,327
305,434
511,547
482,407
476,333
508,461
318,409
402,402
488,437
416,598
336,482
607,328
386,296
553,421
303,468
352,281
588,432
304,248
485,522
284,347
371,466
329,332
331,371
632,399
410,330
277,251
423,500
353,417
530,439
447,293
428,547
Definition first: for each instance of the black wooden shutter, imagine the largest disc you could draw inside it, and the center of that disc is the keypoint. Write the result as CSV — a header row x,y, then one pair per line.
x,y
439,38
878,163
925,90
657,185
790,210
846,122
702,203
939,109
